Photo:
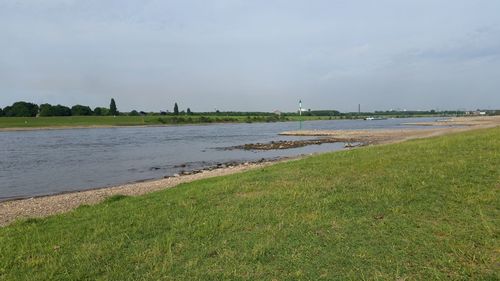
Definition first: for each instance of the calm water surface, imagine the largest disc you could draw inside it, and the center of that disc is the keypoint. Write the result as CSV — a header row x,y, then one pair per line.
x,y
45,162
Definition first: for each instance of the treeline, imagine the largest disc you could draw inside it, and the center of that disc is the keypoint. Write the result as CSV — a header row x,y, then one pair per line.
x,y
399,113
28,109
392,113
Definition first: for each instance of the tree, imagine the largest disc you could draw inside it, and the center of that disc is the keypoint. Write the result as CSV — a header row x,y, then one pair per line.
x,y
81,110
1,112
101,111
189,111
176,109
46,110
21,109
112,108
54,110
61,110
134,113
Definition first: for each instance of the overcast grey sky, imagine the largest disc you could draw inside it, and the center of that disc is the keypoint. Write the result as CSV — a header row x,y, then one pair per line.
x,y
252,55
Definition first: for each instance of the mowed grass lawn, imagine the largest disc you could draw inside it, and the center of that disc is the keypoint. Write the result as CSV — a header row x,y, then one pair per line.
x,y
419,210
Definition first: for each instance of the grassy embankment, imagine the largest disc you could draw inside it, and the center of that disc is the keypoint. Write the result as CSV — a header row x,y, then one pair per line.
x,y
420,210
89,121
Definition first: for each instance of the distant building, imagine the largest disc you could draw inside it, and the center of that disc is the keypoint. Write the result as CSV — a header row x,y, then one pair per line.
x,y
277,112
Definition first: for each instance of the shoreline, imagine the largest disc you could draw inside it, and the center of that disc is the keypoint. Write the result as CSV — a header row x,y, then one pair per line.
x,y
182,173
46,205
52,204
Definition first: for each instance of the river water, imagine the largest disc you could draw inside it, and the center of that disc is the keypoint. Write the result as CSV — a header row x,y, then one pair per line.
x,y
43,162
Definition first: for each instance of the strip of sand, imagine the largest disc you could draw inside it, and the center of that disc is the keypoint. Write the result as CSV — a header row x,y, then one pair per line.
x,y
384,136
461,121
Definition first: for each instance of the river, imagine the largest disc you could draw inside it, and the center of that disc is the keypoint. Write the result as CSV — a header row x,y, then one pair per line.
x,y
43,162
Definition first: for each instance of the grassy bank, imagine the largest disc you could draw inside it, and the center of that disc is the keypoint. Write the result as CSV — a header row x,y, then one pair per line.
x,y
89,121
419,210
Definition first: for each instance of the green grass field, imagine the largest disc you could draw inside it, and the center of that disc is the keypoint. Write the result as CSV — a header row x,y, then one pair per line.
x,y
89,121
419,210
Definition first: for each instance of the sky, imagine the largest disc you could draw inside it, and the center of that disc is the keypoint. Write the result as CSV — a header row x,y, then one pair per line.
x,y
254,55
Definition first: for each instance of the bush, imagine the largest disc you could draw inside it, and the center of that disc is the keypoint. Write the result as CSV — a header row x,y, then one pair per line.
x,y
176,120
204,119
272,119
133,113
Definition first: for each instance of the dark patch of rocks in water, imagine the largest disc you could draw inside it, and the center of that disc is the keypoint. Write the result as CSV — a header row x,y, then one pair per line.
x,y
293,144
230,164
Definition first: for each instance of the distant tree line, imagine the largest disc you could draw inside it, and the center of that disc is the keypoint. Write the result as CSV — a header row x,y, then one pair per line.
x,y
27,109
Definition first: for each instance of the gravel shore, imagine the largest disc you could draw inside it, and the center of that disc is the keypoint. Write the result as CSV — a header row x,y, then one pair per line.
x,y
60,203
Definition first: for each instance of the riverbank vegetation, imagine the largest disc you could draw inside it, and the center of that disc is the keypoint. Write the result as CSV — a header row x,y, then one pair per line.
x,y
420,210
154,120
